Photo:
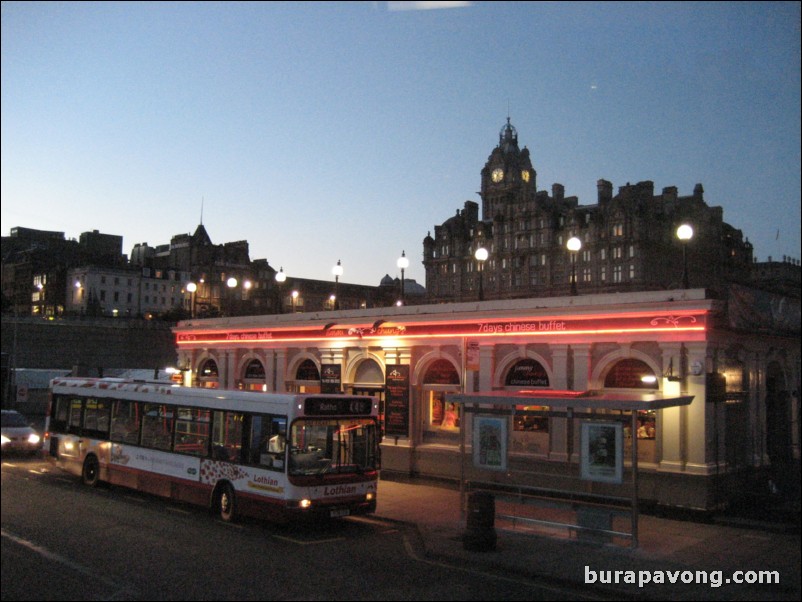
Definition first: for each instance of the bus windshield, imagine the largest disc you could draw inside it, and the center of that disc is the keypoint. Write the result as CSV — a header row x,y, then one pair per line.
x,y
332,445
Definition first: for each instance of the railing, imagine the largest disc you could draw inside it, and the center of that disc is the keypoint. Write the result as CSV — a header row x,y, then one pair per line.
x,y
589,517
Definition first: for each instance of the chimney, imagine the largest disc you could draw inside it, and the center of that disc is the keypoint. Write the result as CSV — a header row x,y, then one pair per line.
x,y
605,190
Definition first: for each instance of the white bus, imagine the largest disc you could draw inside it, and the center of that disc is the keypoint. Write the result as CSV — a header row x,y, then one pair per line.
x,y
238,452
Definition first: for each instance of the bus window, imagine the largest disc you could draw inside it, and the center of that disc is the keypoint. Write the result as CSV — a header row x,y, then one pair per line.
x,y
157,426
227,436
321,446
74,418
97,414
277,443
192,431
59,414
124,422
268,441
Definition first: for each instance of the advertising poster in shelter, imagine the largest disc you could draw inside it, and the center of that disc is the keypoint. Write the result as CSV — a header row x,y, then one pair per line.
x,y
490,442
602,451
396,419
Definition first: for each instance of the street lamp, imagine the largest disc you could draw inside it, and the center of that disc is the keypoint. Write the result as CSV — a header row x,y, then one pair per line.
x,y
231,283
281,277
684,233
337,270
245,298
403,264
481,256
573,244
191,288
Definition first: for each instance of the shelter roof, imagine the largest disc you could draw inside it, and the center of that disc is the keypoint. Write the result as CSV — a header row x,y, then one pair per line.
x,y
592,399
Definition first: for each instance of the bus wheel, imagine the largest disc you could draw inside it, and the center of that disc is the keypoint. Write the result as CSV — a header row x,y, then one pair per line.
x,y
91,471
226,503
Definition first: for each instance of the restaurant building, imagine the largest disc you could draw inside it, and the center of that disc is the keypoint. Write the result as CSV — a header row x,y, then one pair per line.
x,y
739,358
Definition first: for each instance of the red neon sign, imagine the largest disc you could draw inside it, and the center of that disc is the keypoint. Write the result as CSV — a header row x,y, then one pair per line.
x,y
551,326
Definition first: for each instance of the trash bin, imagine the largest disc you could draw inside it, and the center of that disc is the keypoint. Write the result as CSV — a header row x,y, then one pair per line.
x,y
595,522
480,533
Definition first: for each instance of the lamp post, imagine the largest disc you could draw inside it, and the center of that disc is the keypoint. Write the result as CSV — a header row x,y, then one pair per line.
x,y
403,264
684,233
573,244
337,270
280,278
191,288
245,304
481,256
231,283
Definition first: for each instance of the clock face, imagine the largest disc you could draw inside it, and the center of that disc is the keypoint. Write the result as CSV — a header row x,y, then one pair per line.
x,y
498,174
525,176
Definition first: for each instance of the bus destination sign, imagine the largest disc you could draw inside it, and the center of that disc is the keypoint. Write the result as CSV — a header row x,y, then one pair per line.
x,y
337,406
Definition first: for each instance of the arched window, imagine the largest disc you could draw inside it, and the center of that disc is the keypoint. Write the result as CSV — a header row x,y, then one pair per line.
x,y
255,370
442,417
441,372
307,371
530,431
369,372
527,373
209,369
254,376
631,373
208,374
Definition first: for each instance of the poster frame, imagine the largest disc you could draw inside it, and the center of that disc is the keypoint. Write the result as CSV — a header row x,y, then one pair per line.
x,y
490,451
609,466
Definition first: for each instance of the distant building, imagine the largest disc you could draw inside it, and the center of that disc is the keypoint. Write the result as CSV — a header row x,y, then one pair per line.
x,y
227,282
35,265
628,240
124,292
46,275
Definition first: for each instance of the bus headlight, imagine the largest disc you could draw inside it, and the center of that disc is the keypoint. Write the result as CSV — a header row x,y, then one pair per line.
x,y
305,503
369,496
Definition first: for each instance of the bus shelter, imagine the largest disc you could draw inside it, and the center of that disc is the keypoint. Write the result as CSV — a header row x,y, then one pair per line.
x,y
601,431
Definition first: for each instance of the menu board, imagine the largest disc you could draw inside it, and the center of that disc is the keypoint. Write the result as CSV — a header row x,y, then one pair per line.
x,y
396,420
330,378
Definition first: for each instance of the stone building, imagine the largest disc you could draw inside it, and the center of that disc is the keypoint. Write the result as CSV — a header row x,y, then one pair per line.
x,y
628,240
738,360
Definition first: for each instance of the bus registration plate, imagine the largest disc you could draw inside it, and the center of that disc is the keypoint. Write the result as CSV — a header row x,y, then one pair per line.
x,y
337,512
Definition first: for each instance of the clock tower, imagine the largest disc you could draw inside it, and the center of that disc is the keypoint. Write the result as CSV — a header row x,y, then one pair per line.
x,y
508,176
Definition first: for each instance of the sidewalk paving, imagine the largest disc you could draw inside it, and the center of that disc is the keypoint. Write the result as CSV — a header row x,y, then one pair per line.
x,y
665,547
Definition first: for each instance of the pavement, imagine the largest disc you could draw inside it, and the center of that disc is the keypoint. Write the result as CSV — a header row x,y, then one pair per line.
x,y
677,552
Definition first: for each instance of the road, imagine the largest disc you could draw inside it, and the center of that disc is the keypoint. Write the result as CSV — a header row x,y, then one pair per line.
x,y
64,541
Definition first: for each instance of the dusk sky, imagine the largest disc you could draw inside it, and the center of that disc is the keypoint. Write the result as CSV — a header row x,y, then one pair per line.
x,y
347,130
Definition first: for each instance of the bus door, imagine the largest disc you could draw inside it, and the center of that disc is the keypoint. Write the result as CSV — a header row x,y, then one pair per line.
x,y
71,447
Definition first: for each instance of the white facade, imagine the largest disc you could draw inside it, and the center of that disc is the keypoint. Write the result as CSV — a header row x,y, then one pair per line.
x,y
125,292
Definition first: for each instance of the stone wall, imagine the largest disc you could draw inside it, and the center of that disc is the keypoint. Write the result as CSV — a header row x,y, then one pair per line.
x,y
91,342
